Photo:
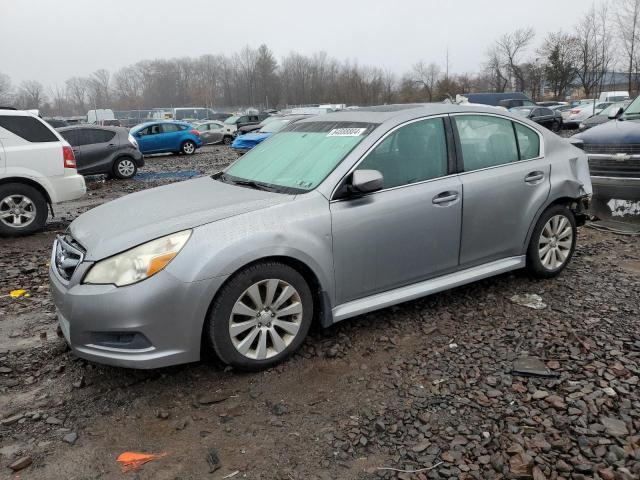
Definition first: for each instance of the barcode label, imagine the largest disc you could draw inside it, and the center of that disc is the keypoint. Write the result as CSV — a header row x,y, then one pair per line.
x,y
346,132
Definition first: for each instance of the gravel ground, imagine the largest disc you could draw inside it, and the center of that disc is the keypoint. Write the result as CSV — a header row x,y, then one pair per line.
x,y
433,386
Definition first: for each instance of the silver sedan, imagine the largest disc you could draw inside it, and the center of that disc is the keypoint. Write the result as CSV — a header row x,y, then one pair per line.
x,y
330,218
212,131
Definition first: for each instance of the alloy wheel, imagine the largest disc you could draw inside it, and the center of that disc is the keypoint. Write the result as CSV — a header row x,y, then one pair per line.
x,y
126,168
555,242
265,319
17,211
189,148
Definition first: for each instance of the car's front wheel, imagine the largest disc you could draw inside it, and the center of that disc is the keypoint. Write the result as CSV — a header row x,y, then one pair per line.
x,y
23,209
227,140
188,148
260,316
552,243
555,126
124,168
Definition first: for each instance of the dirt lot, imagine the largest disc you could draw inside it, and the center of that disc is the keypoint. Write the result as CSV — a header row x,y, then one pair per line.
x,y
429,383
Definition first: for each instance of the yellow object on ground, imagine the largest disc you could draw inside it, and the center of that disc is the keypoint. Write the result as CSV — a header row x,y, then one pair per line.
x,y
18,293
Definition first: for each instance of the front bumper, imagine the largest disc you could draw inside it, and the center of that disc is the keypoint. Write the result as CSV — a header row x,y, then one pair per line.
x,y
163,315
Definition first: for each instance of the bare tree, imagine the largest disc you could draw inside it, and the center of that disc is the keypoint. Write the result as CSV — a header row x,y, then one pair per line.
x,y
509,49
6,96
31,95
427,76
77,93
628,21
594,48
495,71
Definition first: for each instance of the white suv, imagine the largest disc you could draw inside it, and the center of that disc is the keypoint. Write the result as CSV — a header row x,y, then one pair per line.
x,y
37,169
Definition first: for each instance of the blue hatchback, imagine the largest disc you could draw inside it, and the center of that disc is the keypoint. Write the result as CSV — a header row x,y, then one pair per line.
x,y
244,143
167,136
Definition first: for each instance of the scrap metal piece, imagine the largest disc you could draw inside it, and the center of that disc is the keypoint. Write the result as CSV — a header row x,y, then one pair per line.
x,y
532,367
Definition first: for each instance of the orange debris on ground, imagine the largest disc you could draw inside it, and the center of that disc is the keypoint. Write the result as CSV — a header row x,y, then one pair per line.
x,y
133,460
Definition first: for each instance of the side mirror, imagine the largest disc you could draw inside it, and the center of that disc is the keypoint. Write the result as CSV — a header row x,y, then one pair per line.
x,y
616,113
366,181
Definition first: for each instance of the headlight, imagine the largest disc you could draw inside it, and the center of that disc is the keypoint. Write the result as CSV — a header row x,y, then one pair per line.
x,y
138,263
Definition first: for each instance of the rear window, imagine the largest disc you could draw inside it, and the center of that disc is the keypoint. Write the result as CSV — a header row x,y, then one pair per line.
x,y
28,128
92,136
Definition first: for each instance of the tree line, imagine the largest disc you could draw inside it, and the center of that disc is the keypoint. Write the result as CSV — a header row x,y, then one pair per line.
x,y
605,39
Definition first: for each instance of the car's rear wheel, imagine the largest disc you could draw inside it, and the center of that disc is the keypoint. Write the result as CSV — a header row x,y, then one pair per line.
x,y
261,316
555,127
124,168
227,140
188,148
23,209
552,243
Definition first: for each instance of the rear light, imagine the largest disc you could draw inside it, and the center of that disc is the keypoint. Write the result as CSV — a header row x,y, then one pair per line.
x,y
69,157
195,132
575,111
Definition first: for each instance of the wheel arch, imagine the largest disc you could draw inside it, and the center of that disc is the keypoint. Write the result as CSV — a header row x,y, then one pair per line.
x,y
322,314
31,183
566,200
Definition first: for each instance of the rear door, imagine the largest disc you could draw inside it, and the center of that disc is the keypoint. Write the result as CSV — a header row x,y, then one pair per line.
x,y
505,181
97,150
216,133
171,137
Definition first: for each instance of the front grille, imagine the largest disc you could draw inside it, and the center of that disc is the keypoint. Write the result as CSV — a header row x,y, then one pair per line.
x,y
68,255
611,149
610,167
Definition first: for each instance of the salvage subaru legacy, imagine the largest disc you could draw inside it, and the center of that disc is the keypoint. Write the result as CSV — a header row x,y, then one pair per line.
x,y
332,217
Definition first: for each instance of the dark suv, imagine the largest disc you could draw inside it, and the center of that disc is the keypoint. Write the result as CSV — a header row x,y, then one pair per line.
x,y
109,150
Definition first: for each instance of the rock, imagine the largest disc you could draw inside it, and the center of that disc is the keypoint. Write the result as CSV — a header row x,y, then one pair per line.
x,y
521,465
531,366
556,402
212,397
606,474
163,414
539,394
12,419
279,409
529,300
537,474
421,447
563,466
21,463
6,370
70,438
609,391
614,427
53,421
213,460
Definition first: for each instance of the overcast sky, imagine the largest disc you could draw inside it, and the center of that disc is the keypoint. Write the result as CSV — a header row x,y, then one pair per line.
x,y
52,40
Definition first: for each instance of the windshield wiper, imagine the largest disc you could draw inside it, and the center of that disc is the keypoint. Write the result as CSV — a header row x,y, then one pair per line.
x,y
246,183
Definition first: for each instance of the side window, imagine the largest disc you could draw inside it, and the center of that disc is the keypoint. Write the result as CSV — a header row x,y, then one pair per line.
x,y
93,136
413,153
170,127
214,126
528,142
203,128
155,129
71,136
486,141
546,112
28,128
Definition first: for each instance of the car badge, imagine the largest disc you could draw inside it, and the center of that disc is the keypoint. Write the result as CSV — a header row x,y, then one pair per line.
x,y
622,157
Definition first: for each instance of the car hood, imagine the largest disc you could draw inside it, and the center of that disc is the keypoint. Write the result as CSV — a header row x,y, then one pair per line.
x,y
250,140
143,216
615,132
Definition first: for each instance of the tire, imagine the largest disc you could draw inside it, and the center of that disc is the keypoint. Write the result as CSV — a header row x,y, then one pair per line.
x,y
16,198
255,347
555,127
188,148
124,168
551,249
227,140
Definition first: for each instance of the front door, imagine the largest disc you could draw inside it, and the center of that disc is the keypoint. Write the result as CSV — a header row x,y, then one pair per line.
x,y
148,138
505,180
410,230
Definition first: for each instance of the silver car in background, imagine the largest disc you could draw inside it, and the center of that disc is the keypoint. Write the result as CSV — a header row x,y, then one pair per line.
x,y
332,217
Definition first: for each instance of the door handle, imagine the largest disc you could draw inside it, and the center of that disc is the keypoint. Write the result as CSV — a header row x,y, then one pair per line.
x,y
111,145
534,177
445,197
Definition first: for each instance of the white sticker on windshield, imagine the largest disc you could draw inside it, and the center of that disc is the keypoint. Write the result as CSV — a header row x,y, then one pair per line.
x,y
346,132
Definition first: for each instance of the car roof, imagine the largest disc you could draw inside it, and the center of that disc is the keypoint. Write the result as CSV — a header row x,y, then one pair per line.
x,y
387,113
156,122
88,125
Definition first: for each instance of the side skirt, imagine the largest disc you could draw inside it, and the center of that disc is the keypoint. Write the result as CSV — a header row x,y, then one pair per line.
x,y
427,287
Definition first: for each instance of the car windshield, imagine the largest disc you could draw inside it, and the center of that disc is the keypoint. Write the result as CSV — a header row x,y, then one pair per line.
x,y
300,157
522,112
611,108
232,120
274,126
633,111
